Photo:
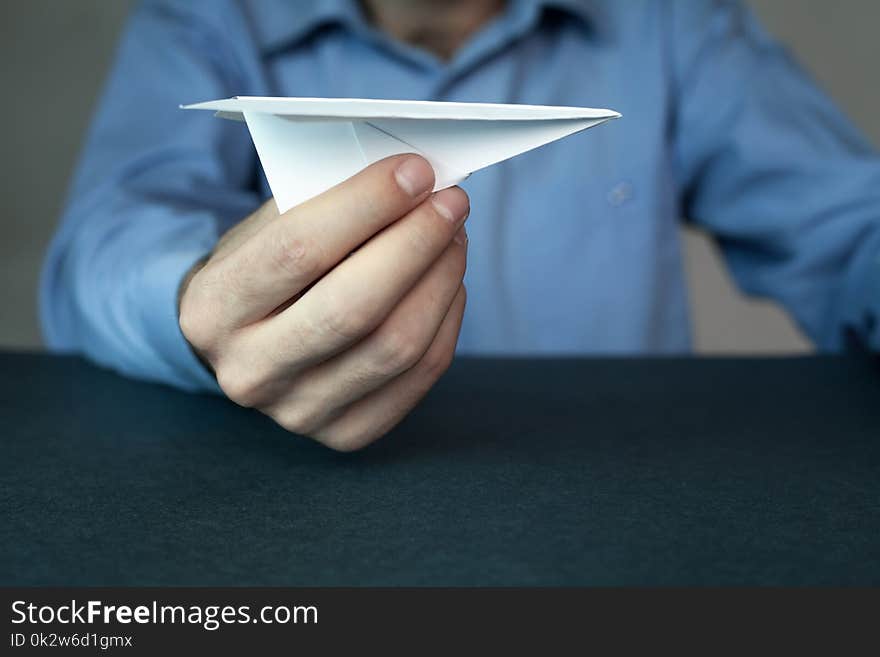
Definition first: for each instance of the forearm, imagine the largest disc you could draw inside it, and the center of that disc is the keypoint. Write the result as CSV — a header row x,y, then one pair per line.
x,y
109,288
154,188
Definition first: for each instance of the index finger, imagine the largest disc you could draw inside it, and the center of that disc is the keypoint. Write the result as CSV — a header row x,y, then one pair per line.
x,y
288,254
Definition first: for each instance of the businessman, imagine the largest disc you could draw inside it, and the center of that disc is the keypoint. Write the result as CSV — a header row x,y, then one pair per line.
x,y
338,316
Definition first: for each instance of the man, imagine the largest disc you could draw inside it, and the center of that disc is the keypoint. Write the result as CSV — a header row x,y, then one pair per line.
x,y
337,317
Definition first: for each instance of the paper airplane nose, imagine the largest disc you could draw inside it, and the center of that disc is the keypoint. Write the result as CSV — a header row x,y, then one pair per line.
x,y
308,145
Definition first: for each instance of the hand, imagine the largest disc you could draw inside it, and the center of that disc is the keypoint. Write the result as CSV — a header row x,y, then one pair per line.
x,y
338,316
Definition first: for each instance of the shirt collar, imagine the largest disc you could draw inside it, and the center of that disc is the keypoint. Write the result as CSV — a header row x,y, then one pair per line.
x,y
280,24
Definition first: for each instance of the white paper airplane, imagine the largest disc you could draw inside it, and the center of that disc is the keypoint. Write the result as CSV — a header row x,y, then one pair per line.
x,y
308,145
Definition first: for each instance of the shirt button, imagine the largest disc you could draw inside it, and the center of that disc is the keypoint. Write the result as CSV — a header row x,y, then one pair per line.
x,y
620,193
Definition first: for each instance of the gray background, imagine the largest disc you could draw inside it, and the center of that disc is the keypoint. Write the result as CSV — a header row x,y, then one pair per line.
x,y
54,56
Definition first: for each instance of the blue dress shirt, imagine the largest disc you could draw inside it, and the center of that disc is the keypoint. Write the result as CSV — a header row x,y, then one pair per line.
x,y
574,247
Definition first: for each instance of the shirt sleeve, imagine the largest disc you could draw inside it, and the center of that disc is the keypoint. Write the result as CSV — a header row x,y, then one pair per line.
x,y
155,187
776,172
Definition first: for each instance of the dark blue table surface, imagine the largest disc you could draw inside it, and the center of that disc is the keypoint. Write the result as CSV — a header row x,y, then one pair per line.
x,y
544,472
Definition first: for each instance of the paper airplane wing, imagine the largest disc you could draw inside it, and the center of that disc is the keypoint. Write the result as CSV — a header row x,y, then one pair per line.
x,y
308,145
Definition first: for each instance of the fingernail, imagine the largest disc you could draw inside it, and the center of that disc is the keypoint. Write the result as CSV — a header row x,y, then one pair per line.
x,y
452,203
415,176
461,237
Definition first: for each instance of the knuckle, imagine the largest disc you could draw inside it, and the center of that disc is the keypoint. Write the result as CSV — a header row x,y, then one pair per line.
x,y
227,282
297,258
435,363
375,199
190,325
349,323
240,384
422,236
195,319
299,418
398,350
348,440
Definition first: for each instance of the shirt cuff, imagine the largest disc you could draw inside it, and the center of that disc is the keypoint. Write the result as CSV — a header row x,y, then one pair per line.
x,y
161,280
861,313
